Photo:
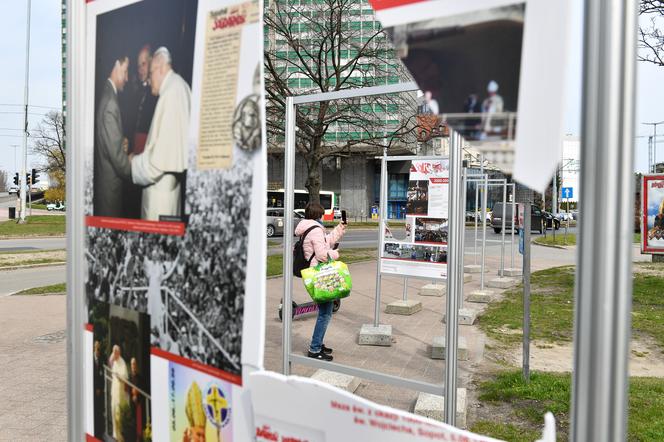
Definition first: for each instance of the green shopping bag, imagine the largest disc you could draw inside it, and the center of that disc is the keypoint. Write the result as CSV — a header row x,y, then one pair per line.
x,y
327,281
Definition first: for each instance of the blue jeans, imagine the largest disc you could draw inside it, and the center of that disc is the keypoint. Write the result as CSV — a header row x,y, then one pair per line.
x,y
324,316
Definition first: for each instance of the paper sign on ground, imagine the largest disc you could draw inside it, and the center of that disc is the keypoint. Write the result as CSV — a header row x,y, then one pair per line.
x,y
317,412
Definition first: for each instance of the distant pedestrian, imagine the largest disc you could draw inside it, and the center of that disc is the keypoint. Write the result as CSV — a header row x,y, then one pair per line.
x,y
319,246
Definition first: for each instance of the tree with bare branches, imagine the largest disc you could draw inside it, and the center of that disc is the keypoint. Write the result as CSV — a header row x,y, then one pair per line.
x,y
3,180
651,35
316,46
48,141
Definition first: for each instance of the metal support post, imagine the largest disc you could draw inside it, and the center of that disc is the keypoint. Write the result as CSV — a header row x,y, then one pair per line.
x,y
405,288
502,231
526,293
566,222
462,221
76,304
289,206
554,193
650,169
382,219
484,203
477,208
603,290
514,216
454,278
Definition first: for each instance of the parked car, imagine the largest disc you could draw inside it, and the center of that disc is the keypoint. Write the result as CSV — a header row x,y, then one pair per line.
x,y
275,221
551,221
13,189
565,216
470,216
55,206
536,218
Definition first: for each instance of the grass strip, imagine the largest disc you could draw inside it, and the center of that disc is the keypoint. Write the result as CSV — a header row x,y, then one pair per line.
x,y
569,240
559,240
47,289
29,262
527,403
552,304
39,225
29,252
10,259
275,263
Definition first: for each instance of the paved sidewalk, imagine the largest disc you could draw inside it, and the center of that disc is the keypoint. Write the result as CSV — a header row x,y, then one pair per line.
x,y
33,352
408,357
33,404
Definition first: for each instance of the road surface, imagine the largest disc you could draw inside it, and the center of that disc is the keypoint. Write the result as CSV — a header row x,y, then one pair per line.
x,y
367,238
7,200
32,244
21,279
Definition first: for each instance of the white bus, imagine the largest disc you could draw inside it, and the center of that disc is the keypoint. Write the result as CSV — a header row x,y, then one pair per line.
x,y
275,198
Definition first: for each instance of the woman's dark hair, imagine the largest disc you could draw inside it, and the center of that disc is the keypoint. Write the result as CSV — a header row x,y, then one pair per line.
x,y
314,211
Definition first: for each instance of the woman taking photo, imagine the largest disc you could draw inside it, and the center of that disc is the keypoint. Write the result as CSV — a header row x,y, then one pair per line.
x,y
319,246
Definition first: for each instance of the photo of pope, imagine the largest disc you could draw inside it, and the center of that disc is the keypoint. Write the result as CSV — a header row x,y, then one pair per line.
x,y
159,167
144,57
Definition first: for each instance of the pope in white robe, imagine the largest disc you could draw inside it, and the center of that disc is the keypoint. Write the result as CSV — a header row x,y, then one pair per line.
x,y
165,154
157,273
119,374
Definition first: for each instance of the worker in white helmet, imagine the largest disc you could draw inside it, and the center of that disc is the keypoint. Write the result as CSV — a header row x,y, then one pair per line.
x,y
492,104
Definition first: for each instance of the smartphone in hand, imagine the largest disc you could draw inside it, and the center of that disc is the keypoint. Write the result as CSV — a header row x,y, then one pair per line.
x,y
343,217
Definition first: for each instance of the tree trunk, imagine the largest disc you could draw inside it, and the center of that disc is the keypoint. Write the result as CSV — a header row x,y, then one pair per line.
x,y
313,179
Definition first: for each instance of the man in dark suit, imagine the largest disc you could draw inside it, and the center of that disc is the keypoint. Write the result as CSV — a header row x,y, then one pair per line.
x,y
111,161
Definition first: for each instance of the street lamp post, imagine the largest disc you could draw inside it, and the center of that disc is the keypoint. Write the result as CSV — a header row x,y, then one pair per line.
x,y
654,144
24,169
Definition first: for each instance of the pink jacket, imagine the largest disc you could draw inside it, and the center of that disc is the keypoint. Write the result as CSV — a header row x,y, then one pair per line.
x,y
318,241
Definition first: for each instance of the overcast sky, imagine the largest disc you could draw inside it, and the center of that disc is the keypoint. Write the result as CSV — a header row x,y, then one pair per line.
x,y
45,71
45,79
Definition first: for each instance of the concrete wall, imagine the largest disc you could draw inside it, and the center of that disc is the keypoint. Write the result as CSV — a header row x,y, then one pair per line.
x,y
357,186
275,171
330,176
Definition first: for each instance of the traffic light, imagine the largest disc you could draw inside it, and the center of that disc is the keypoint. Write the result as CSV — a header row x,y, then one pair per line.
x,y
27,179
16,179
35,176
